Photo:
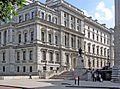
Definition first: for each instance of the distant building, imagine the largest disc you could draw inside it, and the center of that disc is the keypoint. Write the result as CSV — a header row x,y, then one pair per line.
x,y
48,37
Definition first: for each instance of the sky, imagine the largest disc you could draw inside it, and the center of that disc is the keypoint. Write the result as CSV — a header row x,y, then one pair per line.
x,y
102,10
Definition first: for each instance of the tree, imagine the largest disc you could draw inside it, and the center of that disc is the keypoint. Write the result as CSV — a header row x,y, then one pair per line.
x,y
8,8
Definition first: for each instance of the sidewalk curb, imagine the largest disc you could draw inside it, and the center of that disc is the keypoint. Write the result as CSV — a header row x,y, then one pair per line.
x,y
92,87
15,87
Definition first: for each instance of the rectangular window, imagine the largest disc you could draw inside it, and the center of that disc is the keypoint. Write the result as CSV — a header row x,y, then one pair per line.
x,y
50,39
3,68
57,57
93,36
101,51
101,39
72,42
55,20
105,52
24,55
20,18
93,49
25,37
33,14
51,56
97,50
97,38
0,37
88,48
43,16
5,37
44,55
27,16
67,59
18,55
31,55
56,40
32,35
65,40
30,68
3,56
24,68
19,38
18,69
104,40
49,18
88,34
42,37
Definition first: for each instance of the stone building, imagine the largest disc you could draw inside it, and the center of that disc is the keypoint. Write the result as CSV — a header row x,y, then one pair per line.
x,y
48,37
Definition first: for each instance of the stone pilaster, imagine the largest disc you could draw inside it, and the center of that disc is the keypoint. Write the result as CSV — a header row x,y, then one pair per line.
x,y
116,68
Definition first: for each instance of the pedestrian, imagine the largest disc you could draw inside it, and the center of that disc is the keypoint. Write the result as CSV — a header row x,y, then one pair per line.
x,y
100,78
95,77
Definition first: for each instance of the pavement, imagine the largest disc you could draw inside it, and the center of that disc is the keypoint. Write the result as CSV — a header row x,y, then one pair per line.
x,y
55,84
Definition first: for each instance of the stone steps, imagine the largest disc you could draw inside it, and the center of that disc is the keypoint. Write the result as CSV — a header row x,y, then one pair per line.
x,y
64,75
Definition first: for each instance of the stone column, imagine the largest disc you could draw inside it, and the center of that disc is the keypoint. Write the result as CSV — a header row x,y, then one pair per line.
x,y
116,68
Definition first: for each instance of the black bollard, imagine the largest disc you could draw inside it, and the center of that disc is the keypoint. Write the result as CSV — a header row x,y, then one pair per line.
x,y
78,80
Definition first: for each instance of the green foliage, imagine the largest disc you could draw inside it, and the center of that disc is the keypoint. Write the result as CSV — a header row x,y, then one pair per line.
x,y
8,8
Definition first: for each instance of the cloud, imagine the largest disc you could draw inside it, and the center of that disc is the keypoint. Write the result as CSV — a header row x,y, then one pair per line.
x,y
103,13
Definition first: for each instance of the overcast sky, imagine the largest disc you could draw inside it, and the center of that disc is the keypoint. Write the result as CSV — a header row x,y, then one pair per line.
x,y
102,10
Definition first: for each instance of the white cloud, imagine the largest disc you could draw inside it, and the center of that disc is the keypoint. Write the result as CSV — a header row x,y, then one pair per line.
x,y
103,13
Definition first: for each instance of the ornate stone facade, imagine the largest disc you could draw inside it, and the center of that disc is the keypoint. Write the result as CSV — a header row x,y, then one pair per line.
x,y
48,37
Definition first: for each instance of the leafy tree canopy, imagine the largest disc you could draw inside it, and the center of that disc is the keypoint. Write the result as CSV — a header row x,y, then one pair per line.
x,y
8,8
